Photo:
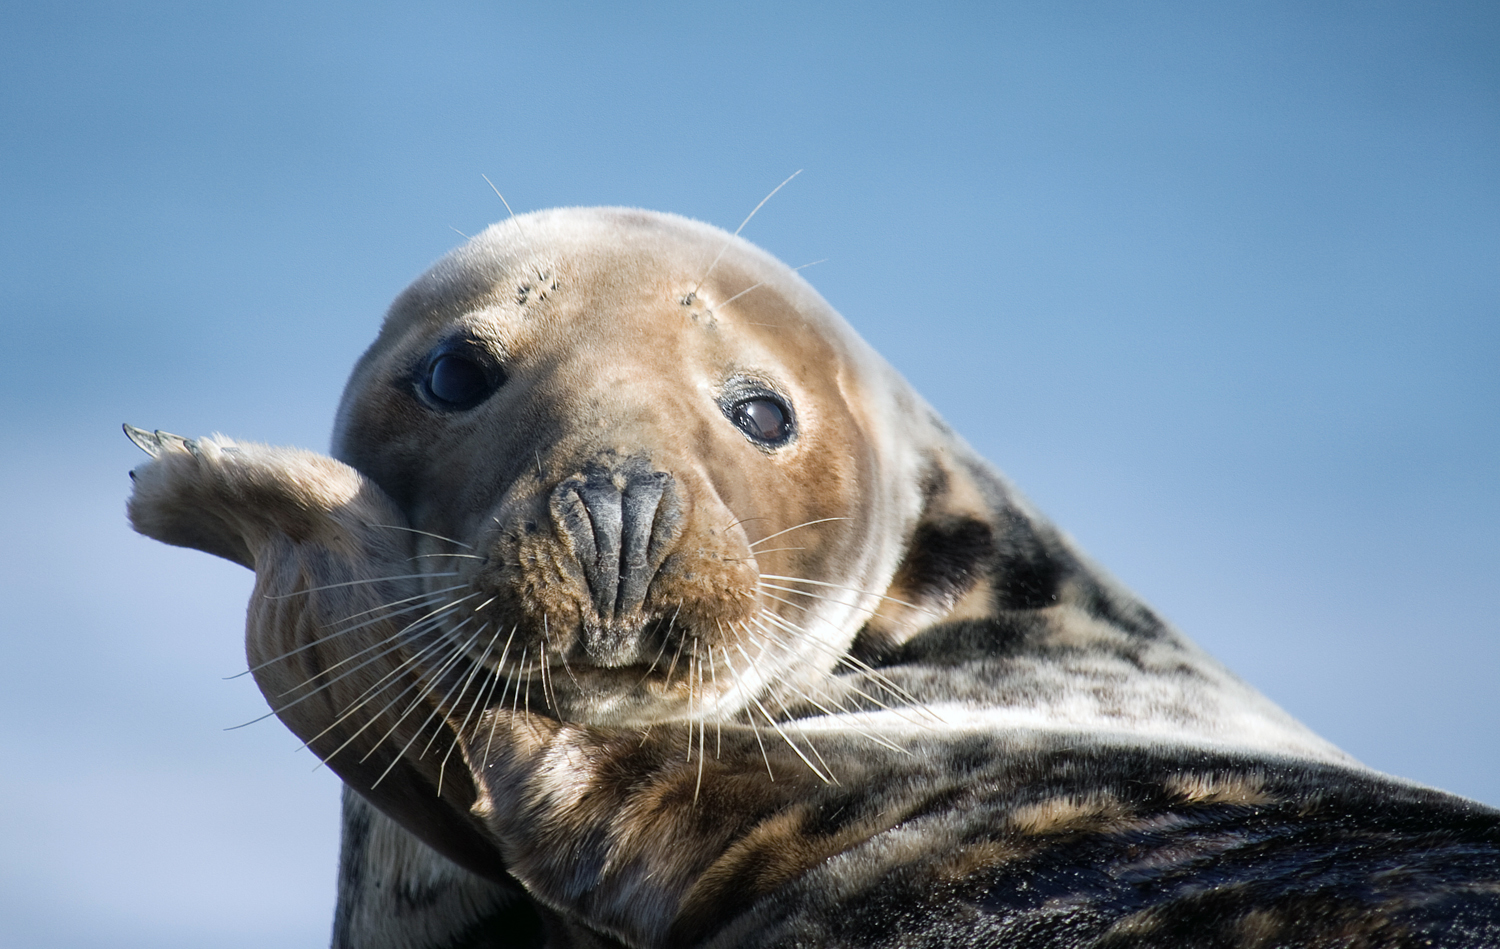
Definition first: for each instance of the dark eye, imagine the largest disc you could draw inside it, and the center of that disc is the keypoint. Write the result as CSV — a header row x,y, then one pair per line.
x,y
457,382
765,420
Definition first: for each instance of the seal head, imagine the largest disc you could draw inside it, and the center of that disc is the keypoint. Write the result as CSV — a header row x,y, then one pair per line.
x,y
659,463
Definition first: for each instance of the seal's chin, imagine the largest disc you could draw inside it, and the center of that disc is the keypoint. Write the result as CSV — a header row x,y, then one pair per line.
x,y
624,697
673,672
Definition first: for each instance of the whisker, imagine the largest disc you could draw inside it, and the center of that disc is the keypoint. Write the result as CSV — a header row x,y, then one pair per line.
x,y
516,696
881,680
552,698
427,598
691,709
763,586
769,550
672,667
763,283
329,684
479,699
660,652
528,690
836,586
498,666
737,231
804,640
754,729
476,668
504,202
355,583
821,520
713,677
743,520
413,530
442,640
807,738
430,618
437,707
563,657
789,743
702,732
380,686
473,671
433,595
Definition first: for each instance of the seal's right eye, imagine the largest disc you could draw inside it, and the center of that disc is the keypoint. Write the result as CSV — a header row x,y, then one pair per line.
x,y
455,381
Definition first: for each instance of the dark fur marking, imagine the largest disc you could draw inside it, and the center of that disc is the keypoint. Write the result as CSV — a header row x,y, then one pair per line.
x,y
518,926
962,643
1029,571
945,557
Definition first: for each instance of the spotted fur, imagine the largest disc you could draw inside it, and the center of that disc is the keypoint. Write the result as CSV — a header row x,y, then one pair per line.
x,y
601,670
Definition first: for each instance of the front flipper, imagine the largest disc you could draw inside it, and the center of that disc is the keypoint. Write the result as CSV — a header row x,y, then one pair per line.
x,y
336,587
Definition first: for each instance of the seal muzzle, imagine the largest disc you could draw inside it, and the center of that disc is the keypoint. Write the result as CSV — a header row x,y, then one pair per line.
x,y
620,522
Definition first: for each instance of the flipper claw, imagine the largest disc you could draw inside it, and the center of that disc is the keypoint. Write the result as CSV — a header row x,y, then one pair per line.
x,y
143,440
154,443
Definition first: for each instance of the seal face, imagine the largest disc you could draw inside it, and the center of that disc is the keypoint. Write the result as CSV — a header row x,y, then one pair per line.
x,y
665,504
646,605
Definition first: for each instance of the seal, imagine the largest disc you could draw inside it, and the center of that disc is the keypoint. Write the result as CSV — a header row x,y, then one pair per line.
x,y
644,604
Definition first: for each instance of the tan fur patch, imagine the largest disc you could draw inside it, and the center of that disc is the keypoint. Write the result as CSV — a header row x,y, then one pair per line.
x,y
969,858
1069,815
1243,789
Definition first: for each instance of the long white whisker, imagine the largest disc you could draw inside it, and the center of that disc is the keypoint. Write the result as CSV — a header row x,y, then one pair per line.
x,y
754,729
672,666
329,684
789,743
741,228
763,283
849,685
413,627
473,671
498,667
692,697
713,677
702,732
836,586
380,686
413,530
832,779
665,638
437,707
504,202
821,520
478,694
426,600
355,583
521,681
881,680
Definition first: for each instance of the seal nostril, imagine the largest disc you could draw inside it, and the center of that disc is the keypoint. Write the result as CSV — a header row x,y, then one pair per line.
x,y
621,523
603,502
642,498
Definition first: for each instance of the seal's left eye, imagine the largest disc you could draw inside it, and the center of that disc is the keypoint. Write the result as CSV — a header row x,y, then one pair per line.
x,y
454,381
765,420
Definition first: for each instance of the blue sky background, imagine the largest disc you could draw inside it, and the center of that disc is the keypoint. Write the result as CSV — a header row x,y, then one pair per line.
x,y
1216,284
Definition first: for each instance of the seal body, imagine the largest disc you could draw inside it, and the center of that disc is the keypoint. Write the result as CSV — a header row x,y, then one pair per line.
x,y
646,605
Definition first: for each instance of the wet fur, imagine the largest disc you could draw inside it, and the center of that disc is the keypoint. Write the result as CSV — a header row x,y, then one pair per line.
x,y
956,730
